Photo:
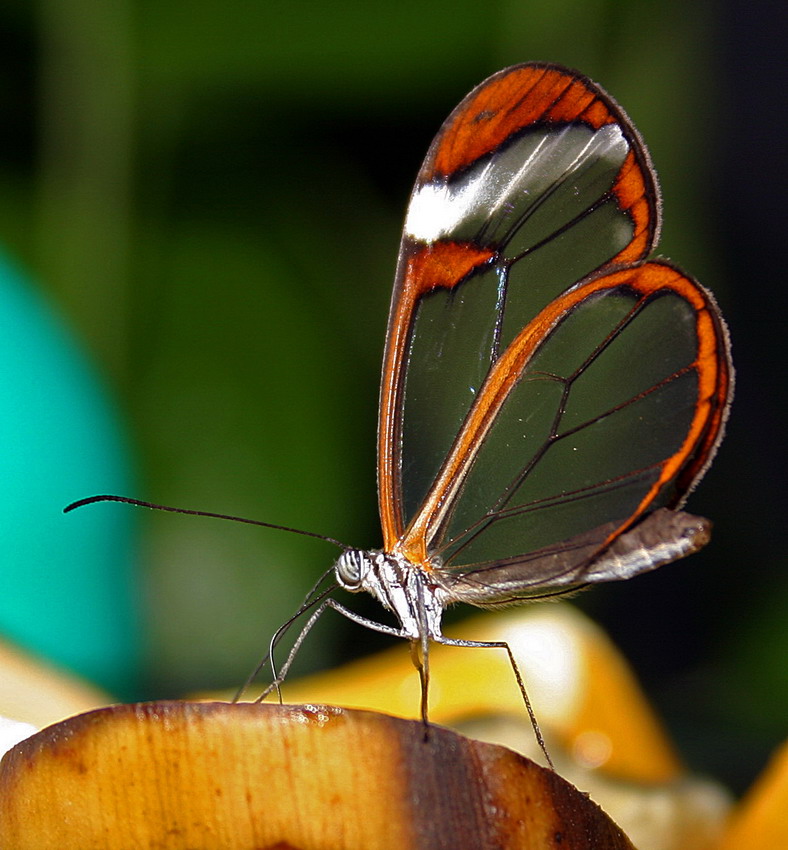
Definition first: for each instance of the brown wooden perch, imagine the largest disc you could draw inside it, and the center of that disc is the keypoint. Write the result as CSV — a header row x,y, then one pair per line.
x,y
269,777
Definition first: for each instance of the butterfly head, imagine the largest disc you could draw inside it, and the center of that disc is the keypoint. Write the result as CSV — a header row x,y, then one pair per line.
x,y
352,568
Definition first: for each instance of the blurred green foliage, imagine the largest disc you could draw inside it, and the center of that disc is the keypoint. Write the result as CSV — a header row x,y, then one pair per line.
x,y
214,194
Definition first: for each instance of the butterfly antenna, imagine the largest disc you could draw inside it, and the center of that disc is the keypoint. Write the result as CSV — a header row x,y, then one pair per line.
x,y
91,500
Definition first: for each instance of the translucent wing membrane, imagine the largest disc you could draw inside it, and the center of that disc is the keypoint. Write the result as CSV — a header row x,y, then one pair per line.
x,y
597,420
661,537
528,421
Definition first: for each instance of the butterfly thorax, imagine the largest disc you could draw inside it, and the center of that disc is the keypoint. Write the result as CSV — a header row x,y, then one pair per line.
x,y
400,586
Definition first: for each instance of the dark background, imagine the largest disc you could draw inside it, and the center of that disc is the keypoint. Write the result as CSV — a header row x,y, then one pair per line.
x,y
213,194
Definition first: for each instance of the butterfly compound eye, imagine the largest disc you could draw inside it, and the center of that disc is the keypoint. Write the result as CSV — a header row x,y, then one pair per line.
x,y
351,568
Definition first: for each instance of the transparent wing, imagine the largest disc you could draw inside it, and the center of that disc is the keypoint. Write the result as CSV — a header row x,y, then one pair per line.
x,y
512,416
607,407
534,181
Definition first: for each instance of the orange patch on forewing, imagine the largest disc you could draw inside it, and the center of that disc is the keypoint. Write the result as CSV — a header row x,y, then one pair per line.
x,y
634,197
578,102
442,265
511,102
504,106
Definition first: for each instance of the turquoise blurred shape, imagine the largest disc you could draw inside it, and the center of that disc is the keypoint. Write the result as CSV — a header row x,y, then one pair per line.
x,y
67,583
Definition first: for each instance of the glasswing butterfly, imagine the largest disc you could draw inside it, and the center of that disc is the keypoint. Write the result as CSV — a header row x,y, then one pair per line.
x,y
549,397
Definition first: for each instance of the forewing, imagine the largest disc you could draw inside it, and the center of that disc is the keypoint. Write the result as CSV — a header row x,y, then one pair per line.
x,y
535,181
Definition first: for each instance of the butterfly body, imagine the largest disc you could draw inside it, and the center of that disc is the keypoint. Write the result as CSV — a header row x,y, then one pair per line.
x,y
401,587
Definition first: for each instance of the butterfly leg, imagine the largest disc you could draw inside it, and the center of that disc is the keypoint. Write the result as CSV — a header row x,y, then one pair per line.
x,y
420,656
501,644
279,677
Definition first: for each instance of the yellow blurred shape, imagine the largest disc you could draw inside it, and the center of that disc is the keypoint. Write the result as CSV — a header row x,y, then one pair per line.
x,y
36,692
761,819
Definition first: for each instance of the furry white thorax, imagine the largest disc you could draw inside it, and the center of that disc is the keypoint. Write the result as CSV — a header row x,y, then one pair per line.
x,y
400,586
